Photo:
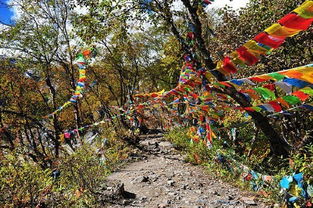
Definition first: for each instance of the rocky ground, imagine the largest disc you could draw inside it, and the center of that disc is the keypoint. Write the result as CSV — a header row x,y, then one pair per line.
x,y
160,178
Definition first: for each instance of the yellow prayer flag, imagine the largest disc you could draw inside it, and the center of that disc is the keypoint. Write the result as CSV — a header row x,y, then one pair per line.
x,y
254,48
281,31
235,59
61,138
305,10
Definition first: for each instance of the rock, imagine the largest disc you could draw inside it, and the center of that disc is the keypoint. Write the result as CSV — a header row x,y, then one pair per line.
x,y
216,193
186,202
184,187
143,198
153,177
114,191
201,201
198,191
230,197
164,204
177,172
178,198
248,200
165,145
141,179
170,183
171,194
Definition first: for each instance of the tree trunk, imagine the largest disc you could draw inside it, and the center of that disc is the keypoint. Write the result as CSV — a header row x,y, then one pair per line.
x,y
278,145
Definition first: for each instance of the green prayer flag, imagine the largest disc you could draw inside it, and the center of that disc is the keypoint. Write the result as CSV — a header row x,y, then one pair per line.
x,y
220,85
257,109
265,93
292,99
187,89
276,76
307,90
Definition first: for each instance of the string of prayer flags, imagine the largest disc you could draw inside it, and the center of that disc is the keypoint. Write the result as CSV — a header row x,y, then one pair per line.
x,y
293,99
153,94
294,188
81,61
205,3
187,73
271,38
299,77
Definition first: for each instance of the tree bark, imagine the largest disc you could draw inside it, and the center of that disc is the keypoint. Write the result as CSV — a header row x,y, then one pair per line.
x,y
278,145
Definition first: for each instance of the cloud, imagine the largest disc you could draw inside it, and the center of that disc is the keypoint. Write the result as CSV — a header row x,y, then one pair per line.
x,y
15,9
236,4
217,4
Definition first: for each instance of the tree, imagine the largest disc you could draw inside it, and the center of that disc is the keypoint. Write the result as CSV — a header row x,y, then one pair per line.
x,y
195,16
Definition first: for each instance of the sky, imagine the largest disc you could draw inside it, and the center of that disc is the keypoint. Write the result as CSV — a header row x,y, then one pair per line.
x,y
236,4
6,14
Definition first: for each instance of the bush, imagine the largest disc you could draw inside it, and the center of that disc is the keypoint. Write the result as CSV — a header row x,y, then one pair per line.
x,y
75,180
22,183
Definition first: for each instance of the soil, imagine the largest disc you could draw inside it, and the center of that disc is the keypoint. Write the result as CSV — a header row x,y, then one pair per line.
x,y
158,177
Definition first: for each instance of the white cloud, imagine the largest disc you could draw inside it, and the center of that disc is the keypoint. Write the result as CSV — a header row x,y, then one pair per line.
x,y
14,7
236,4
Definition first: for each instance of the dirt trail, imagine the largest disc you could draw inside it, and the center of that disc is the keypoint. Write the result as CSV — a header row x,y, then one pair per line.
x,y
160,178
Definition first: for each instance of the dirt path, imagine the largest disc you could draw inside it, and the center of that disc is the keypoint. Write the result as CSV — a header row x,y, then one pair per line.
x,y
160,178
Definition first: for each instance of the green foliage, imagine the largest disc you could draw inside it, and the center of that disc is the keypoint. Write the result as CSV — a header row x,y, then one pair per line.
x,y
82,174
178,137
199,153
302,161
22,183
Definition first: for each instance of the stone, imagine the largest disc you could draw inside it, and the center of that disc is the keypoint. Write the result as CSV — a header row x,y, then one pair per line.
x,y
248,200
216,193
170,183
198,191
184,187
172,193
141,179
230,197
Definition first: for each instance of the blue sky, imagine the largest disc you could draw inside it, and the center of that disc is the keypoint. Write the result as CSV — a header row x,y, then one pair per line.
x,y
5,13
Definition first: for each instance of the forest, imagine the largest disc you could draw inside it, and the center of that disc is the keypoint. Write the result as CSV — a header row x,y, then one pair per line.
x,y
82,82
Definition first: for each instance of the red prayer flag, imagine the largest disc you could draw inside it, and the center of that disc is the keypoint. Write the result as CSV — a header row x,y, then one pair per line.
x,y
275,105
208,131
270,86
301,95
205,108
246,56
195,96
191,35
207,2
225,84
228,66
295,22
249,109
257,79
268,40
